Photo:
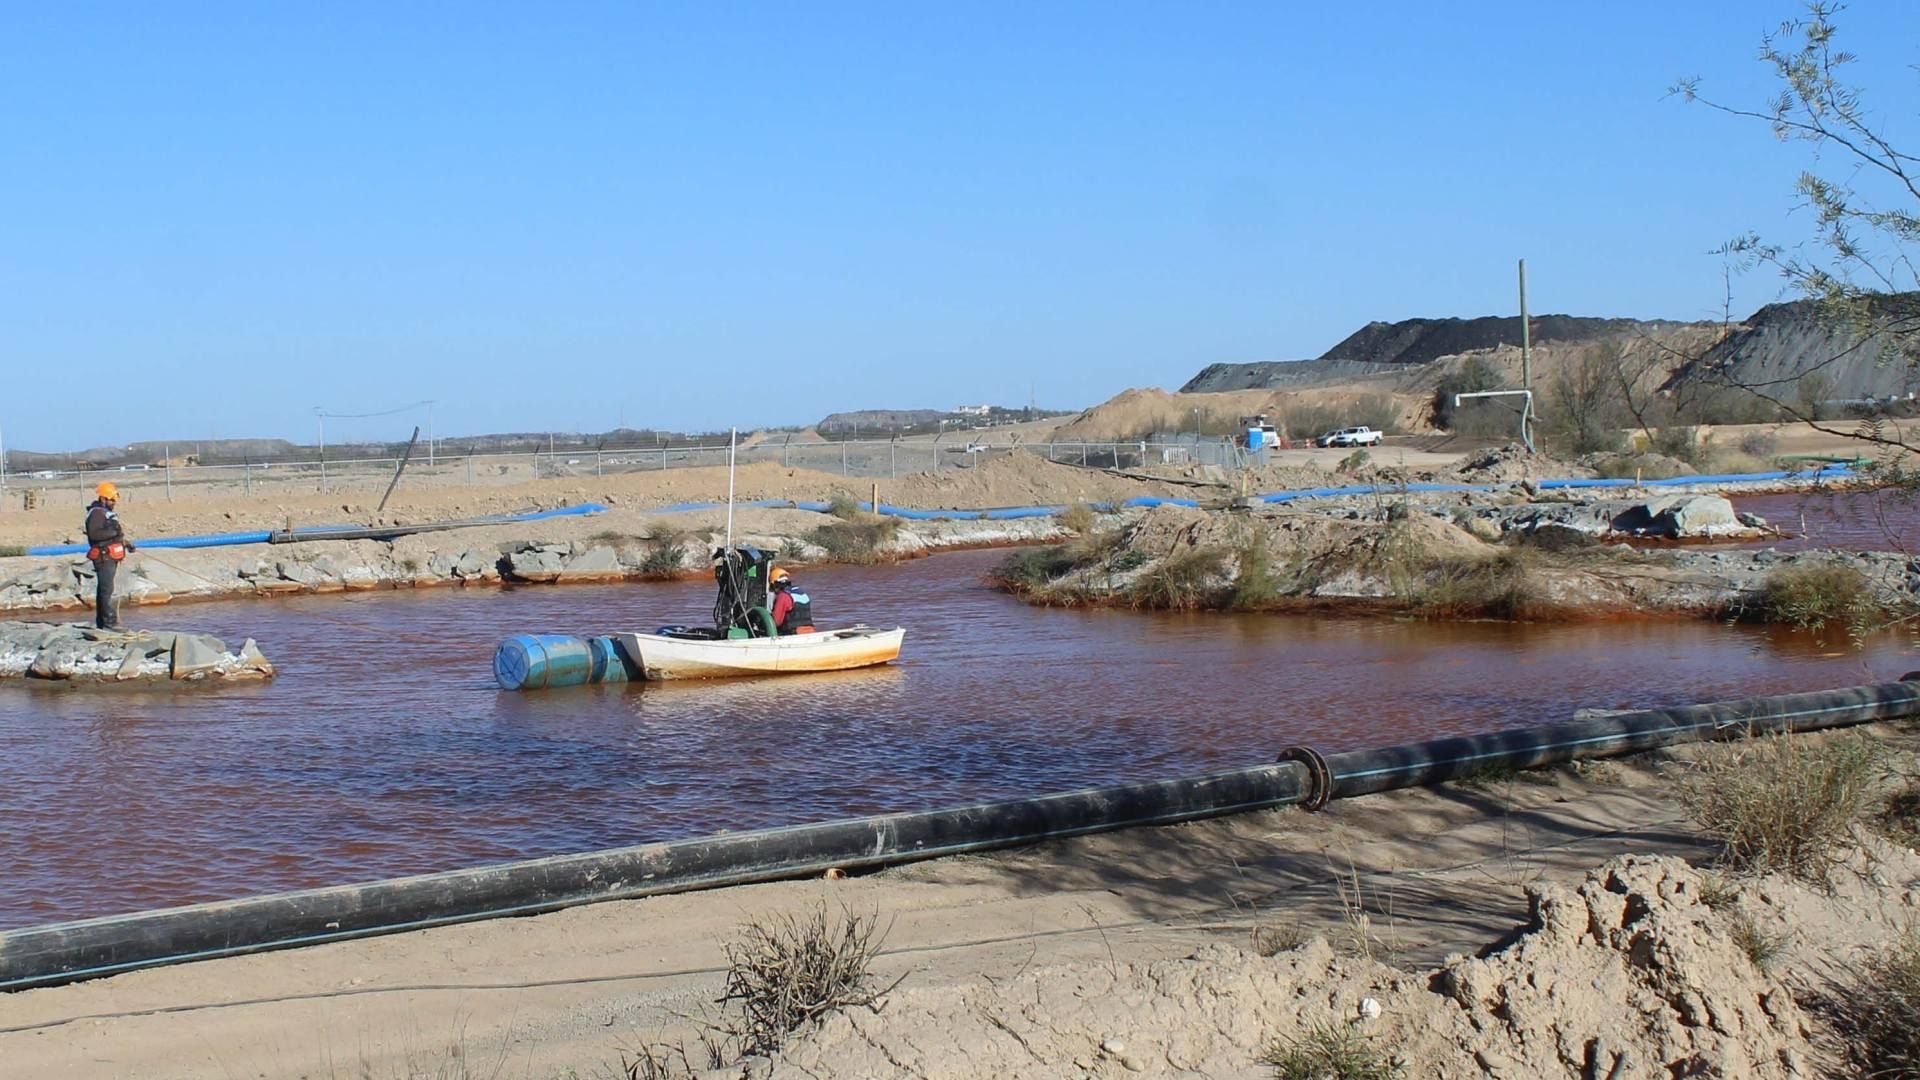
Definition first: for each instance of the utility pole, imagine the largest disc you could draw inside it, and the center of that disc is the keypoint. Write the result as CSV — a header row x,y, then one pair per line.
x,y
1526,360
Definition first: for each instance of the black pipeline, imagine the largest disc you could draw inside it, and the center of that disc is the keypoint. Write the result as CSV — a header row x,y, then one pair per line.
x,y
69,952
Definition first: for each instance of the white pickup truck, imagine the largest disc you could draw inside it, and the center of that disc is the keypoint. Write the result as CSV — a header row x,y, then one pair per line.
x,y
1350,436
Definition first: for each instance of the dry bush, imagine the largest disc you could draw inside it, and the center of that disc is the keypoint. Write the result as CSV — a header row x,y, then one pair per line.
x,y
1876,1012
1759,444
1785,803
1899,816
1078,518
789,972
1762,948
1184,581
1813,595
1328,1052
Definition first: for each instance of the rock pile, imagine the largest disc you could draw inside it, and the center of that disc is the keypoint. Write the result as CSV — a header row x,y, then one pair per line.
x,y
85,654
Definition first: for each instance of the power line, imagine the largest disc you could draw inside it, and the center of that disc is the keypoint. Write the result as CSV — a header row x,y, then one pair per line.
x,y
367,415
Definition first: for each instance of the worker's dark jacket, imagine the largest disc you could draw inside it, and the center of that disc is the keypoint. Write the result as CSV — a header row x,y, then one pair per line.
x,y
103,526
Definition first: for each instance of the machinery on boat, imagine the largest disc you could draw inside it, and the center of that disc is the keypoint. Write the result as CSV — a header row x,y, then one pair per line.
x,y
742,641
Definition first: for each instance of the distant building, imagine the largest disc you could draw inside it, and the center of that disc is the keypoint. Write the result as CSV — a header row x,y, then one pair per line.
x,y
973,410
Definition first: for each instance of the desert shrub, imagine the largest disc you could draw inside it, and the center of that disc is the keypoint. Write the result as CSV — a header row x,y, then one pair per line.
x,y
1302,422
1678,441
1272,939
1876,1011
1254,583
1377,411
1475,375
1812,596
1786,804
1078,518
844,506
1759,444
1899,817
854,540
1183,581
8,550
664,551
1026,569
1499,586
1355,461
1629,466
788,972
1328,1052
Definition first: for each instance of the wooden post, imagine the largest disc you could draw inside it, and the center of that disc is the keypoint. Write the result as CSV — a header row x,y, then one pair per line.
x,y
875,504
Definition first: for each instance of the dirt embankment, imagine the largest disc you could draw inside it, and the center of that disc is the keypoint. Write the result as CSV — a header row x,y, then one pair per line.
x,y
1459,556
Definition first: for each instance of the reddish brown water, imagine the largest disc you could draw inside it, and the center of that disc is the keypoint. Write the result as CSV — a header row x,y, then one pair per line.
x,y
1884,519
384,749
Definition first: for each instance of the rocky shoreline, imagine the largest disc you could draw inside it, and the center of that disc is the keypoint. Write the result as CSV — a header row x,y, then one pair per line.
x,y
600,549
64,652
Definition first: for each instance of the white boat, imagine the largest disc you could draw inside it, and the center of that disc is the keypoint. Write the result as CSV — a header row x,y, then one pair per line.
x,y
662,656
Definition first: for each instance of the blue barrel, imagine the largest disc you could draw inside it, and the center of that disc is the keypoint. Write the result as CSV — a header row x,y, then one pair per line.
x,y
607,664
539,661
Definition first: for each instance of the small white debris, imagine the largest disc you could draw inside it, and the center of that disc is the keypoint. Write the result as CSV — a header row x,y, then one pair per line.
x,y
1369,1009
1114,1047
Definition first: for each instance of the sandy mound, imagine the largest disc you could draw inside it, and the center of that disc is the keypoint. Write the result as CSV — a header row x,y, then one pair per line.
x,y
1630,975
1020,479
1132,414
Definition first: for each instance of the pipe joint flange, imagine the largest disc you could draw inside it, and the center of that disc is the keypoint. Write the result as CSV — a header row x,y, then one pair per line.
x,y
1319,775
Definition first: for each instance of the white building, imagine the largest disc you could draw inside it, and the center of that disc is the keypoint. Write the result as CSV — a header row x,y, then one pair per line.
x,y
973,410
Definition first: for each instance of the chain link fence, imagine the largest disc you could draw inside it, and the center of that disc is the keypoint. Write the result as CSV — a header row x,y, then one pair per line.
x,y
863,459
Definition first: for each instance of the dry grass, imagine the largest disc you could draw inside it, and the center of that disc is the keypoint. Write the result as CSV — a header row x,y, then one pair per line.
x,y
1899,817
1498,586
1254,583
1328,1052
1762,948
1876,1012
1786,804
844,507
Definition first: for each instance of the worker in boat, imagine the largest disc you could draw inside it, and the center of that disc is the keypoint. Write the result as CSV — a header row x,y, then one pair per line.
x,y
107,544
792,607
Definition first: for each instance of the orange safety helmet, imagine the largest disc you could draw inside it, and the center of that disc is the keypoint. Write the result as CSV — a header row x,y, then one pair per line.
x,y
107,490
779,575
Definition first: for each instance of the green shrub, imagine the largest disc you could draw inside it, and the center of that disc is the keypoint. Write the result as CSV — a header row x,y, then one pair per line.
x,y
1813,595
1355,461
1026,569
1254,583
1183,581
844,506
1475,375
1498,586
1762,948
1786,804
665,551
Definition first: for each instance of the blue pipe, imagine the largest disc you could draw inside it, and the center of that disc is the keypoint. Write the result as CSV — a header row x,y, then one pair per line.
x,y
230,539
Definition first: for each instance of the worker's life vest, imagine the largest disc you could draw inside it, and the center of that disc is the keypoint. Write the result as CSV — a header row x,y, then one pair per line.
x,y
799,618
115,550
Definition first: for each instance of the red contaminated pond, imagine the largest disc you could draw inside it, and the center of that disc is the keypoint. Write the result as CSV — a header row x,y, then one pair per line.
x,y
384,747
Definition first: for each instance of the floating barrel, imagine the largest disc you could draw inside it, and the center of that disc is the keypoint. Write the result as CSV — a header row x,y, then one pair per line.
x,y
543,661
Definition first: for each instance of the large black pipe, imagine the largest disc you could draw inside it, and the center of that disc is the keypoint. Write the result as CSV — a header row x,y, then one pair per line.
x,y
73,951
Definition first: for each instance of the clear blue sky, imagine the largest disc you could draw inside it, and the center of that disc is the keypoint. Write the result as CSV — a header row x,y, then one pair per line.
x,y
215,218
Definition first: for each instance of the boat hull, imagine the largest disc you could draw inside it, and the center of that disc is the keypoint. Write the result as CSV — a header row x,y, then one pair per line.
x,y
661,658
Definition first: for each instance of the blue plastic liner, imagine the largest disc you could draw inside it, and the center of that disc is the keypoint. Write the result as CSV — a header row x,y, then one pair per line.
x,y
230,539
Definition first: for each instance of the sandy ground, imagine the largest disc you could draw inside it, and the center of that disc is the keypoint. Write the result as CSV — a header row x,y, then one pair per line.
x,y
1004,477
1119,954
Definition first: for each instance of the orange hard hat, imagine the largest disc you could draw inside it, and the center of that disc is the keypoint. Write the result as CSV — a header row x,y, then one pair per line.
x,y
779,574
107,490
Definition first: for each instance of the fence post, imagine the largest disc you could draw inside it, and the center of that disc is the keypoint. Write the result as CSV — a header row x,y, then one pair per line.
x,y
246,477
596,463
469,467
843,460
663,455
1083,455
168,450
893,462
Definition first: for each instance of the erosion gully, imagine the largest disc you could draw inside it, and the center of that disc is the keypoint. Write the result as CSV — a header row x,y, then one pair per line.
x,y
384,749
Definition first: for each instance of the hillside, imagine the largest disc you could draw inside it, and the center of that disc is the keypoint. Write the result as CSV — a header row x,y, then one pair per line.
x,y
1383,348
1779,348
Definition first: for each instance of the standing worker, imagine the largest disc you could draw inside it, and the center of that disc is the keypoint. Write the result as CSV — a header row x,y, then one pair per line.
x,y
107,544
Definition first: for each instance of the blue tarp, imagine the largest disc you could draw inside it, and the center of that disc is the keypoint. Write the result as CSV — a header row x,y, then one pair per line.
x,y
229,539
